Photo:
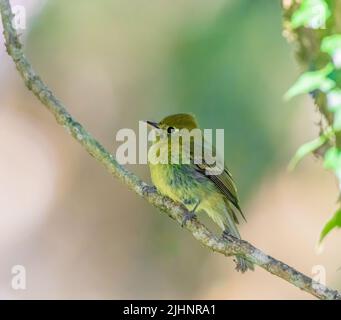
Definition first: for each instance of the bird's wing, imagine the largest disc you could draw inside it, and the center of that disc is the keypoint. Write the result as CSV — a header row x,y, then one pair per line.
x,y
223,180
225,184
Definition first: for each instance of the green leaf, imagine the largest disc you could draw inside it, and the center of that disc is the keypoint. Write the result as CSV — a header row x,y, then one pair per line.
x,y
311,13
308,148
332,159
334,100
337,120
334,105
327,84
310,81
337,58
334,222
331,44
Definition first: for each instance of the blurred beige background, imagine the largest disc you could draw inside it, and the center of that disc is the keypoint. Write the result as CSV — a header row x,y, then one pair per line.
x,y
81,234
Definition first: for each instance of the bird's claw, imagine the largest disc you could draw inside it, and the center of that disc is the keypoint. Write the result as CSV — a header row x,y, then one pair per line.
x,y
187,217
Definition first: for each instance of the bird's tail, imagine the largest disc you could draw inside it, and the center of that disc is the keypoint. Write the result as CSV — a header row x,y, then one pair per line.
x,y
242,264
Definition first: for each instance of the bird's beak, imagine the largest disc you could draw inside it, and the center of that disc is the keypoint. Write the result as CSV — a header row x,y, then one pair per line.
x,y
152,124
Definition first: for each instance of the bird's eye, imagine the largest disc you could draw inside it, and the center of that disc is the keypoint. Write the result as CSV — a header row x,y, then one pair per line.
x,y
170,130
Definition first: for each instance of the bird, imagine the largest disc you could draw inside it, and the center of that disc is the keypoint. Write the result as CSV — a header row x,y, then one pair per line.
x,y
191,185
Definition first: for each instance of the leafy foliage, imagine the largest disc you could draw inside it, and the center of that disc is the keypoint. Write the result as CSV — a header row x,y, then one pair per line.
x,y
323,83
309,147
332,46
311,13
332,159
334,222
312,80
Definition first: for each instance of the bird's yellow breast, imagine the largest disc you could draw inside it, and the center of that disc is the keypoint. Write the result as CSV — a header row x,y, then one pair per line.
x,y
162,178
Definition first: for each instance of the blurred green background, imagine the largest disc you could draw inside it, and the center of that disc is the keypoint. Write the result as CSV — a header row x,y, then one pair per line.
x,y
114,63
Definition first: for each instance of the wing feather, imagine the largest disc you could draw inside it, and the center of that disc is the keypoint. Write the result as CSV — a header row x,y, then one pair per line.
x,y
225,184
223,181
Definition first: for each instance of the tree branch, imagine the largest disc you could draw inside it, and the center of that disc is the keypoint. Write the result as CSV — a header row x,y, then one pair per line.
x,y
229,247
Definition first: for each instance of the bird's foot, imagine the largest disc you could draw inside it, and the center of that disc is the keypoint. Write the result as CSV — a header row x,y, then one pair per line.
x,y
147,189
241,266
190,215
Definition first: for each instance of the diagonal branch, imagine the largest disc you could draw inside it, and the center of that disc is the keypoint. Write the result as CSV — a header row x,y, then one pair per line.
x,y
176,211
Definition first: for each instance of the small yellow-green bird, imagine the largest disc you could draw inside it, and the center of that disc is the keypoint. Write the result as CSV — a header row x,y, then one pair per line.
x,y
189,184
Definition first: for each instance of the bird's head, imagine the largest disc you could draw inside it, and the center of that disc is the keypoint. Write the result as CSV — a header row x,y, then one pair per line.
x,y
176,121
